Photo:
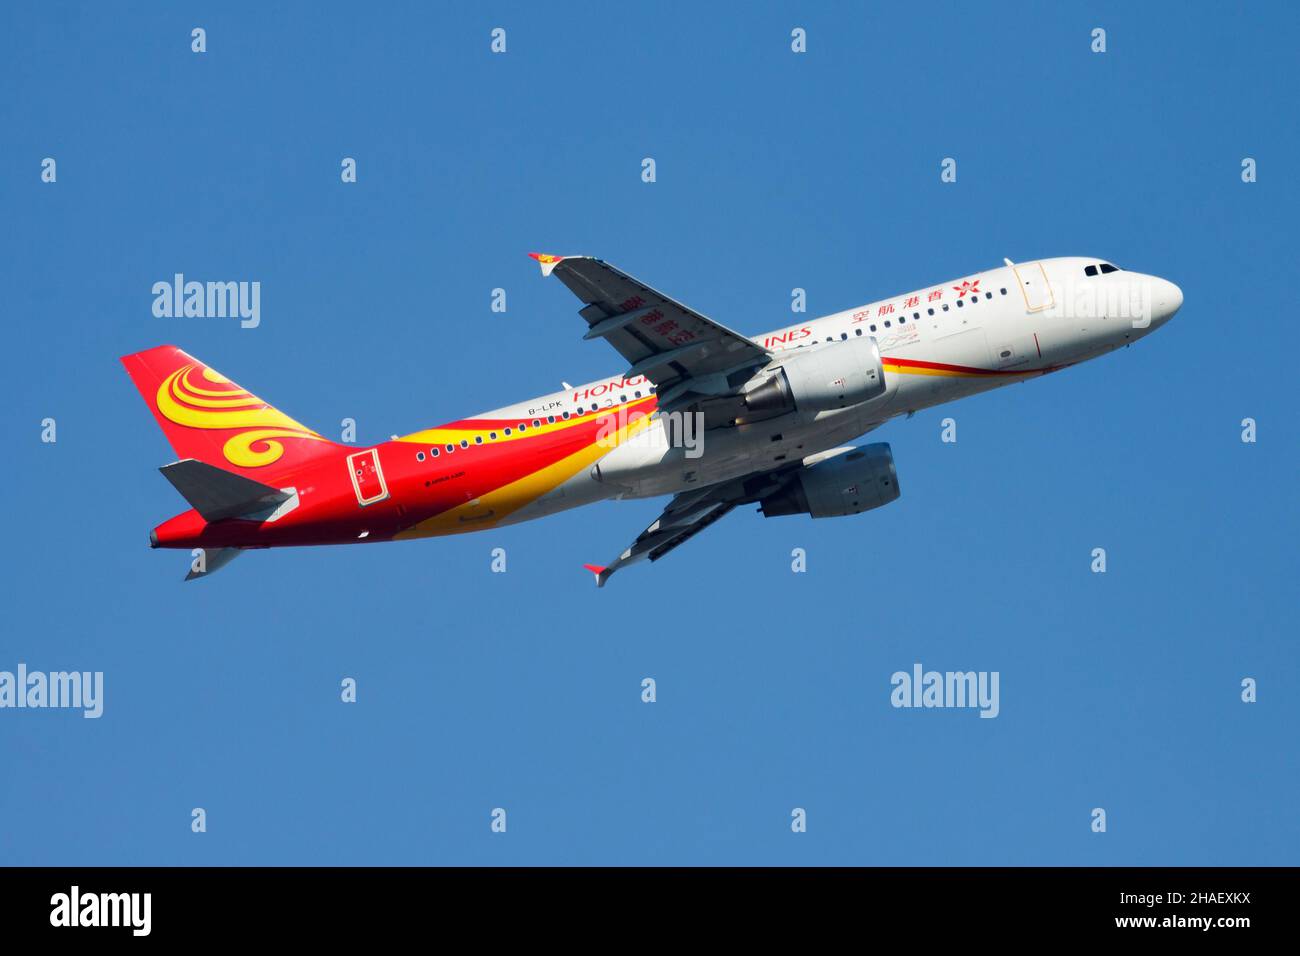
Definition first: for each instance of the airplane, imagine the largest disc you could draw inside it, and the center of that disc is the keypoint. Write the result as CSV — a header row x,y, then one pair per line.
x,y
707,415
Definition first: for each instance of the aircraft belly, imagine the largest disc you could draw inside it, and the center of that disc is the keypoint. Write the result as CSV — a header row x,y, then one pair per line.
x,y
738,451
581,489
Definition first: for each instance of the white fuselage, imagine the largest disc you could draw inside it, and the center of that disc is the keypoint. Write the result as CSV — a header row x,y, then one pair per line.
x,y
1012,323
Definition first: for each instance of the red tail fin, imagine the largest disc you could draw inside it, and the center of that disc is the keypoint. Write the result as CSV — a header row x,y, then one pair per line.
x,y
208,417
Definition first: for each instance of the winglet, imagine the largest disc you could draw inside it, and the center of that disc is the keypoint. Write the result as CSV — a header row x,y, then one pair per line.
x,y
547,262
601,572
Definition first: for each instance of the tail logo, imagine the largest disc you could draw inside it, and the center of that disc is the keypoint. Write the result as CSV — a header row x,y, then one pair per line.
x,y
218,403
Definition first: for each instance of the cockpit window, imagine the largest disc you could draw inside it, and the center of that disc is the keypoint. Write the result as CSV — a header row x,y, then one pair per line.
x,y
1090,271
1106,268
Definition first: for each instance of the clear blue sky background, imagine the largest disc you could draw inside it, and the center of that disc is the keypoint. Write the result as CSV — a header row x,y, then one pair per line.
x,y
522,690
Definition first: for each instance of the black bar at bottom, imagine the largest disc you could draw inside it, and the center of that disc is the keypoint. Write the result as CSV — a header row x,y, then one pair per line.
x,y
335,905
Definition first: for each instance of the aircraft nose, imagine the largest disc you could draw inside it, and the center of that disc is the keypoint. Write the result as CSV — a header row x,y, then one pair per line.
x,y
1167,300
1175,297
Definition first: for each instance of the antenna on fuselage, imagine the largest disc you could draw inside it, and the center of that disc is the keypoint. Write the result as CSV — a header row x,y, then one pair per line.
x,y
1008,261
566,385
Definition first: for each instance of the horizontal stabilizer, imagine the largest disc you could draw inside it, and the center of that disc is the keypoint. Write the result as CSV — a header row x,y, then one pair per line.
x,y
212,559
216,494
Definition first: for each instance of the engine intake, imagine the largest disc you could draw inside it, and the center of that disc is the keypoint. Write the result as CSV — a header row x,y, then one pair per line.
x,y
821,379
848,484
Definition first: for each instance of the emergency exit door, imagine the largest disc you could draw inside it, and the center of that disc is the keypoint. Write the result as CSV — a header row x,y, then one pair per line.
x,y
1034,286
367,477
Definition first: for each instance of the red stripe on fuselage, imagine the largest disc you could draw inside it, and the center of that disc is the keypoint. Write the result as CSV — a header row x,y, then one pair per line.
x,y
944,366
963,369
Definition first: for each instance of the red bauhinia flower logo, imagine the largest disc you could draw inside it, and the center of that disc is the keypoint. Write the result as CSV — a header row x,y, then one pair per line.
x,y
972,287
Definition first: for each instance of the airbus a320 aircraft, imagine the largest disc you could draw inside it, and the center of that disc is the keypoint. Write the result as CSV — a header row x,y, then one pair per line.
x,y
702,413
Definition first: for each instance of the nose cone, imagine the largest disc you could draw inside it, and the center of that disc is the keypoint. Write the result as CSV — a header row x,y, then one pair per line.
x,y
1166,300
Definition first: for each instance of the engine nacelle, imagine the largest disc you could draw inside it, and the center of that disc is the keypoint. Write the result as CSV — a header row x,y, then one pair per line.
x,y
820,379
848,484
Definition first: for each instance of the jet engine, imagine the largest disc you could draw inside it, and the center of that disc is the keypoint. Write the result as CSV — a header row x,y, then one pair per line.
x,y
819,379
854,481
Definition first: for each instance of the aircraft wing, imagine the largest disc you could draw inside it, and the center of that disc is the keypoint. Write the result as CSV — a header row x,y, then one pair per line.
x,y
681,351
689,513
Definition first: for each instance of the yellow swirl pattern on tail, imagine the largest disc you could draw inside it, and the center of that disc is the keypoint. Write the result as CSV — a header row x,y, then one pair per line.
x,y
186,403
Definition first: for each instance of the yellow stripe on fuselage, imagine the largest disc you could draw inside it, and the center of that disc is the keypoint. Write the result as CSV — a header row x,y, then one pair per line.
x,y
489,509
944,372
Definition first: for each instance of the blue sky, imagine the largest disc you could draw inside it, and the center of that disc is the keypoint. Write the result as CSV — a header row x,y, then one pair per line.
x,y
522,690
